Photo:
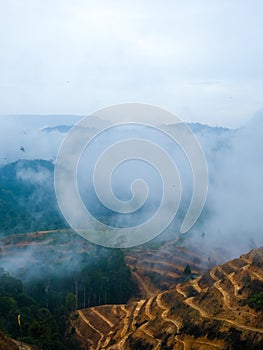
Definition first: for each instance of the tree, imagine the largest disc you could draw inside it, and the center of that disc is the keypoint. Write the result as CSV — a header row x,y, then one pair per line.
x,y
187,270
256,301
44,330
70,302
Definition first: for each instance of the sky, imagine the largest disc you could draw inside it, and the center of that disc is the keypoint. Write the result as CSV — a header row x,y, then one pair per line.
x,y
199,59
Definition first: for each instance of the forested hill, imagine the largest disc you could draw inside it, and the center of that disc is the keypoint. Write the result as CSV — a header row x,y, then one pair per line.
x,y
27,197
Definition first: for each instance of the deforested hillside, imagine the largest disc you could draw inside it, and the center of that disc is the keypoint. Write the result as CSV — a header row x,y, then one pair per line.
x,y
222,309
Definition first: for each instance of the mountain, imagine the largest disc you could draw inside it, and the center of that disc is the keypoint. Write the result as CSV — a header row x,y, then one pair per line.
x,y
58,128
198,128
222,309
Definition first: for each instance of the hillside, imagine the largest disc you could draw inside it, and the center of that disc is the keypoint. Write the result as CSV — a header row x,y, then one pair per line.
x,y
222,309
6,343
27,197
159,265
69,273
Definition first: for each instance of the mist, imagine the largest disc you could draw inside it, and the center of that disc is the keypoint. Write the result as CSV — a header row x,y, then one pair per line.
x,y
234,205
231,219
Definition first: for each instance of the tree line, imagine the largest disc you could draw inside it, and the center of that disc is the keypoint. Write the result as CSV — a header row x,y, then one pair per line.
x,y
47,301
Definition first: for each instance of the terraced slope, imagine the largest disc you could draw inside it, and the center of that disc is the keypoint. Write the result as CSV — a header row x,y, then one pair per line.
x,y
160,269
209,312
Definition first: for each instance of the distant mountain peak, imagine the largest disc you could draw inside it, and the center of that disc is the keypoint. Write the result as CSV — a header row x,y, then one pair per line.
x,y
59,128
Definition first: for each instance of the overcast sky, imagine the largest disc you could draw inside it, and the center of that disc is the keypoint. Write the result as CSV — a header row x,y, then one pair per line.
x,y
200,59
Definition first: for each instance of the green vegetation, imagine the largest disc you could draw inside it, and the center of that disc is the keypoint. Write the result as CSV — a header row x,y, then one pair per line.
x,y
256,301
27,197
255,288
47,299
38,325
